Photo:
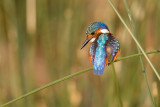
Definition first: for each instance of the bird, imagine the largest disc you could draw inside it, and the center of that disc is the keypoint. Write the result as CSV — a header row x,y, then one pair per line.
x,y
104,47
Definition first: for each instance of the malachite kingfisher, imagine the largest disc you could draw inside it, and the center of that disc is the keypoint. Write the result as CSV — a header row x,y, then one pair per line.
x,y
104,47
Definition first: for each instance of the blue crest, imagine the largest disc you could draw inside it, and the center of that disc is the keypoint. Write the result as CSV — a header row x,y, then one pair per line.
x,y
94,26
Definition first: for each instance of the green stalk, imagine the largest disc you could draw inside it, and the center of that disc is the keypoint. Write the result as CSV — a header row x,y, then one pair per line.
x,y
136,55
141,61
132,35
116,85
46,86
68,77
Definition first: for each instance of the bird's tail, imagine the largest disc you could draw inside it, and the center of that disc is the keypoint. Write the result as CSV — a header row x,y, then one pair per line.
x,y
99,61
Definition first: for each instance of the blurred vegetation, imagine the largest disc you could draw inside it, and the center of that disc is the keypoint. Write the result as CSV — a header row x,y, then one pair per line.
x,y
40,42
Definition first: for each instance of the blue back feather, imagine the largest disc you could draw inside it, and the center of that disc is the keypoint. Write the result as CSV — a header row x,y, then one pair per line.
x,y
98,52
100,55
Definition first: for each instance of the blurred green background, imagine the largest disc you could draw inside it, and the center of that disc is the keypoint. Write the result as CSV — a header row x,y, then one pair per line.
x,y
40,42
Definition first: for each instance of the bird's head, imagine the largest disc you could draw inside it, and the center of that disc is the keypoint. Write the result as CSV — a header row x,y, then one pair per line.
x,y
94,30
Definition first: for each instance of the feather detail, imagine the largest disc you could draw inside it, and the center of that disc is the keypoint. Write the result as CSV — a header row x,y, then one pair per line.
x,y
100,55
112,48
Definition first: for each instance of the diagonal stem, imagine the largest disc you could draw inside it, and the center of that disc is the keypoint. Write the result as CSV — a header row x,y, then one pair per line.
x,y
117,85
141,61
136,55
132,35
68,77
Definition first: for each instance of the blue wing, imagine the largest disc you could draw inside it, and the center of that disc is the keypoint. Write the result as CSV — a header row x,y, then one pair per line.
x,y
104,47
112,48
100,55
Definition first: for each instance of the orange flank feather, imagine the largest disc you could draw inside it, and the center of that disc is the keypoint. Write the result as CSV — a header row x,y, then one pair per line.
x,y
90,58
107,61
117,54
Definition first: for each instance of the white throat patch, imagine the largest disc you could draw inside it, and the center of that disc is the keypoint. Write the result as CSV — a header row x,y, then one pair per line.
x,y
104,31
92,40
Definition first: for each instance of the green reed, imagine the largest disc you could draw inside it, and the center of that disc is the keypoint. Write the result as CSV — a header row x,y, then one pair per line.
x,y
134,38
73,75
141,61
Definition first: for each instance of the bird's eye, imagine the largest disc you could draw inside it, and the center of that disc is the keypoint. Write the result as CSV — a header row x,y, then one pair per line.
x,y
92,33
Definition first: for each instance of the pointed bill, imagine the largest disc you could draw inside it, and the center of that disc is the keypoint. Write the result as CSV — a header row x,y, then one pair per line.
x,y
89,37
